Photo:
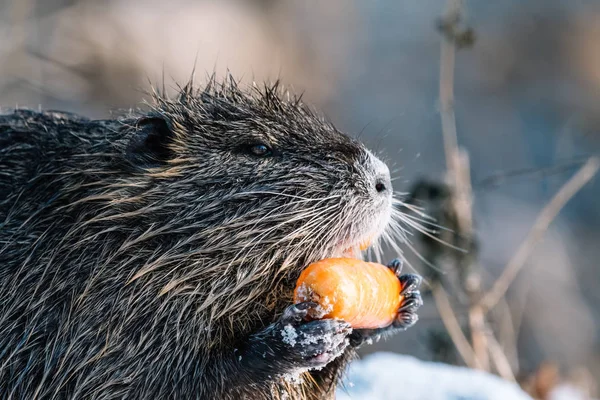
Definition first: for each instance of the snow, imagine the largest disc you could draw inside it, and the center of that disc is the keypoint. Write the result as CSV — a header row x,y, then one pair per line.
x,y
295,377
324,305
389,376
289,335
567,392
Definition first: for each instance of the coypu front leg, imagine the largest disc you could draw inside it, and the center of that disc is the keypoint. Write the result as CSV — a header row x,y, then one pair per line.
x,y
292,345
407,313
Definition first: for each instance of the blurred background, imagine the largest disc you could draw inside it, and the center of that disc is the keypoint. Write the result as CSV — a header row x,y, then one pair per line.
x,y
527,102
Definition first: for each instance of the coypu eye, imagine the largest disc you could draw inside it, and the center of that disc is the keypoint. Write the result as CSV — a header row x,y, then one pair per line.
x,y
260,150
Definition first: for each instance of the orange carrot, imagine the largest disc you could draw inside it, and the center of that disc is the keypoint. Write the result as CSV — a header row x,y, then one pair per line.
x,y
364,294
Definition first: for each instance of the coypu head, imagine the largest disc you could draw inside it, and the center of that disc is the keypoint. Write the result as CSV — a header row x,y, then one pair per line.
x,y
258,174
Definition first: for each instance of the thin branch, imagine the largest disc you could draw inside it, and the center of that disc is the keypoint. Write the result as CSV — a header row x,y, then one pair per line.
x,y
544,219
479,337
501,177
453,327
458,176
499,359
447,60
463,196
463,206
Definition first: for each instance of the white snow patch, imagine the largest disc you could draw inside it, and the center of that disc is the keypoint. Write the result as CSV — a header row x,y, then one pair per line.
x,y
389,376
567,392
289,335
303,293
324,307
310,339
295,377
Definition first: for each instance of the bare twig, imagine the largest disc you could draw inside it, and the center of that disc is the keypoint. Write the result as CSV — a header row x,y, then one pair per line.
x,y
484,344
479,332
447,57
543,221
501,177
463,205
463,197
499,359
458,176
453,327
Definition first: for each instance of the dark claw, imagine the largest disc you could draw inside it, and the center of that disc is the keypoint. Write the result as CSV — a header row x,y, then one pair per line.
x,y
396,266
412,301
360,336
306,305
295,313
405,320
410,283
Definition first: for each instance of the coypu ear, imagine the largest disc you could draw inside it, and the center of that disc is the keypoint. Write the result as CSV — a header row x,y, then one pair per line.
x,y
149,145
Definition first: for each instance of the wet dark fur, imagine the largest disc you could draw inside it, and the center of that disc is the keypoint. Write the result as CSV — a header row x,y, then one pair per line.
x,y
138,255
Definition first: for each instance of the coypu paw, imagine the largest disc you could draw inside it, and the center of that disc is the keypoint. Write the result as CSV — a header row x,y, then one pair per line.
x,y
310,344
411,302
407,313
292,344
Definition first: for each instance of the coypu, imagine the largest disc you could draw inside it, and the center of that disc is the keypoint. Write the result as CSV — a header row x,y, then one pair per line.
x,y
153,256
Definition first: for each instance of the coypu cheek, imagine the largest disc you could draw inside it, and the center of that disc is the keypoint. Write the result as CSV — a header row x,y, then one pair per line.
x,y
377,192
380,177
